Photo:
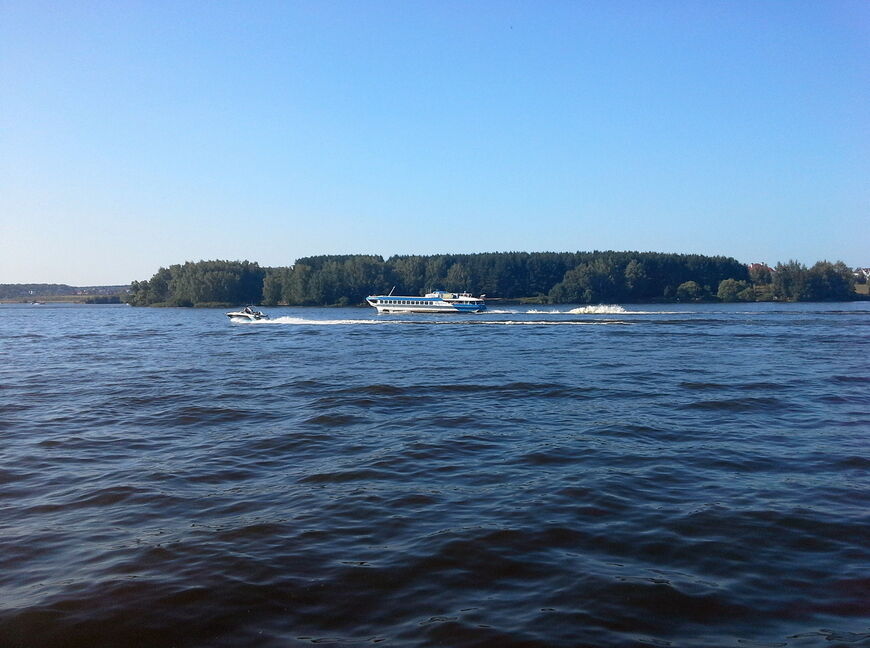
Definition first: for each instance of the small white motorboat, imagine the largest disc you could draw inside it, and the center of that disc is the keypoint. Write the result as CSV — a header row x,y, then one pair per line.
x,y
247,313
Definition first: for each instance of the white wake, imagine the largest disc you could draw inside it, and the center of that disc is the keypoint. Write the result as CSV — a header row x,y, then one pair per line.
x,y
460,321
603,309
298,321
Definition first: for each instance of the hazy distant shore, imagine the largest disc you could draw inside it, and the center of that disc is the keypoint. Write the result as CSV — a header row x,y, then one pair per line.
x,y
42,292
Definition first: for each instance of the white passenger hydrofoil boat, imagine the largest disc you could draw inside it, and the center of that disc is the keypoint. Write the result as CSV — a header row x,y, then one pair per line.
x,y
438,301
247,313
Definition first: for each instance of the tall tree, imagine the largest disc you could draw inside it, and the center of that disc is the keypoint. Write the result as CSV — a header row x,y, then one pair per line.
x,y
830,282
790,281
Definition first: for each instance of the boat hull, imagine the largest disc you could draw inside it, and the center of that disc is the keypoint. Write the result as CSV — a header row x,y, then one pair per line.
x,y
433,309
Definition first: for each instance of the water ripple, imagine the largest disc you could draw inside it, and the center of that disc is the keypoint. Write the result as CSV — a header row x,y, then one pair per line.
x,y
688,477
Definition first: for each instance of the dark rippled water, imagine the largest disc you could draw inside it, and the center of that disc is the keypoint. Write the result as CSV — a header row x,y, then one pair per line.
x,y
665,476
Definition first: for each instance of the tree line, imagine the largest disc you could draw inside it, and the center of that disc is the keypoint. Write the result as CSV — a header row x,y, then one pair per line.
x,y
201,283
544,277
793,281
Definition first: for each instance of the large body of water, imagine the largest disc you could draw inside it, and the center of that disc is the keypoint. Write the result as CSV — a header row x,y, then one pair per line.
x,y
662,476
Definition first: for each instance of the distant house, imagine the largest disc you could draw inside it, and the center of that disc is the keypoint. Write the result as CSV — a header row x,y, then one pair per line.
x,y
760,267
862,274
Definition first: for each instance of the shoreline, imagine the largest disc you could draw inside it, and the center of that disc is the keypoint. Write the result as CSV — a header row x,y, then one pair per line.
x,y
858,297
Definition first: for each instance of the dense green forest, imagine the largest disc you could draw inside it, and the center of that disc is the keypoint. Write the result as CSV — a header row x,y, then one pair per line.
x,y
201,284
546,277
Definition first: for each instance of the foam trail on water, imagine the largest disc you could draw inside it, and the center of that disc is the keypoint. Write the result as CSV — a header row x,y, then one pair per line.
x,y
602,309
553,323
316,322
300,321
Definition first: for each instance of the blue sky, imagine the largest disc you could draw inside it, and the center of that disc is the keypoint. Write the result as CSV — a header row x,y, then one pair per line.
x,y
134,135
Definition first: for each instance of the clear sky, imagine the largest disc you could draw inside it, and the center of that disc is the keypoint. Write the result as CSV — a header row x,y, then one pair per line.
x,y
135,135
